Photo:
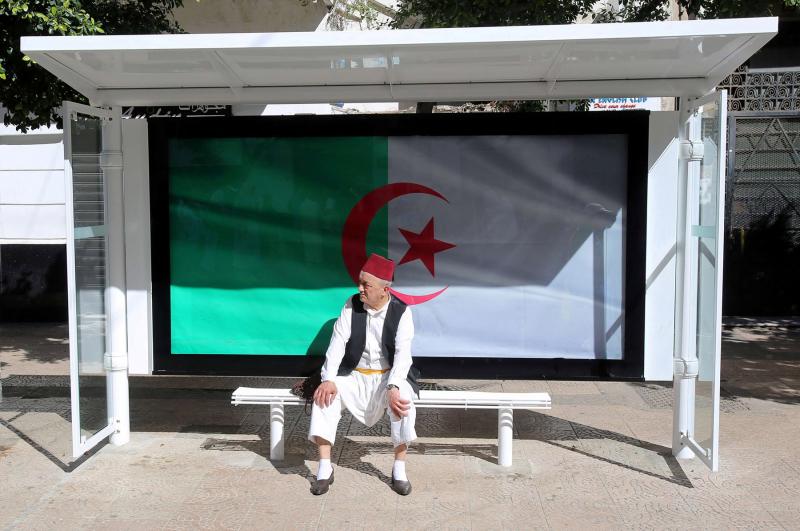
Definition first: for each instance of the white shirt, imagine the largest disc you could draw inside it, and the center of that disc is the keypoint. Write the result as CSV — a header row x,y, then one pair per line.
x,y
374,356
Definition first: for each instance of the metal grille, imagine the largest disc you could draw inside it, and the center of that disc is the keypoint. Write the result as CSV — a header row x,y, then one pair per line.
x,y
764,90
764,170
436,386
658,396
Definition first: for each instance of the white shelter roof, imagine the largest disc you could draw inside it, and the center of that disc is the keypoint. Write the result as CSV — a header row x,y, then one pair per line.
x,y
687,58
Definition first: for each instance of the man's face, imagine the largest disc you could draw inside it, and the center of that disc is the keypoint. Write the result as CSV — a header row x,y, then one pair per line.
x,y
372,290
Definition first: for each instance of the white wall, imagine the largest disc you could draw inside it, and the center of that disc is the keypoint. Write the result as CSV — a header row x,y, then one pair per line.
x,y
32,186
662,222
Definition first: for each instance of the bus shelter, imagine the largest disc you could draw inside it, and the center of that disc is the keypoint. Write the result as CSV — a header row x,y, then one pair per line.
x,y
113,257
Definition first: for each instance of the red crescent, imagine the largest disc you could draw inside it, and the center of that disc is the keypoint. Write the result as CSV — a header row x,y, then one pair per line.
x,y
411,300
356,226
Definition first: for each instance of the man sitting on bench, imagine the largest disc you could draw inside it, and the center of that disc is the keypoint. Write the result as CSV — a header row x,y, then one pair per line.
x,y
367,368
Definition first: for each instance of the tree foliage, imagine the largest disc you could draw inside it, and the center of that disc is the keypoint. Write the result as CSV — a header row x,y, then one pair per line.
x,y
632,11
737,8
135,17
473,13
30,94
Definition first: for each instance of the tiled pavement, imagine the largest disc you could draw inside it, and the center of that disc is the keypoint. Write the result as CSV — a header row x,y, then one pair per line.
x,y
600,459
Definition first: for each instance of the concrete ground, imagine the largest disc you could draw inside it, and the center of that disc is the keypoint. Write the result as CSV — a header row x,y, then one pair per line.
x,y
600,459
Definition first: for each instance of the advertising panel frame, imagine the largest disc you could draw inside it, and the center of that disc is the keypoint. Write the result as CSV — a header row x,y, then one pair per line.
x,y
633,124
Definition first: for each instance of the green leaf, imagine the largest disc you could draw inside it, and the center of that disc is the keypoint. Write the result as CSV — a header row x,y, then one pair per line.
x,y
30,93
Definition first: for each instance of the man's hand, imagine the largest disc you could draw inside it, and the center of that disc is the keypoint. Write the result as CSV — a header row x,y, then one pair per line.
x,y
397,405
325,394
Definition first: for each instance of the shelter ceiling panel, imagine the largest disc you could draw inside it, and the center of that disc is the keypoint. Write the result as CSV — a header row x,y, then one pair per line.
x,y
686,58
161,68
478,63
657,58
259,68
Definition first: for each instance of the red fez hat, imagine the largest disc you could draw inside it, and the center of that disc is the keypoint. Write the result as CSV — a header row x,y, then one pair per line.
x,y
381,267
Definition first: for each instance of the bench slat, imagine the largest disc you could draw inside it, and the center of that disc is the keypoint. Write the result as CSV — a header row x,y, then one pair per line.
x,y
430,399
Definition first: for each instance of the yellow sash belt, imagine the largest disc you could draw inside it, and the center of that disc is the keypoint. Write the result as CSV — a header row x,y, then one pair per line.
x,y
371,371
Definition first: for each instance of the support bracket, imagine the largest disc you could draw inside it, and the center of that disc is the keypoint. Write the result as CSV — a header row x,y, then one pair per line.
x,y
685,368
115,361
692,150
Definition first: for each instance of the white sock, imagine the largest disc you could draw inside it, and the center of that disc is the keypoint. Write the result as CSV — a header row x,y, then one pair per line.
x,y
325,469
399,471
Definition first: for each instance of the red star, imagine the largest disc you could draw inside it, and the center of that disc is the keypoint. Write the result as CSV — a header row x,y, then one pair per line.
x,y
423,246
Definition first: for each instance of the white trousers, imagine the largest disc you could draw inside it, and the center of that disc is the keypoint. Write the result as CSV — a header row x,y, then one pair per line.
x,y
365,397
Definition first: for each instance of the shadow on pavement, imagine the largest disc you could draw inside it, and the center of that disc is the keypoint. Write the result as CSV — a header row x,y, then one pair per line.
x,y
68,466
35,345
762,360
557,432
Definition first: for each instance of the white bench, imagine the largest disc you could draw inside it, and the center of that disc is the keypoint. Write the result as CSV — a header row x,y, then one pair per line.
x,y
504,403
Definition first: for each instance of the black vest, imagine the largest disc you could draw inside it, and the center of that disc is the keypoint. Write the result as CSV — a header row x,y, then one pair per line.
x,y
358,337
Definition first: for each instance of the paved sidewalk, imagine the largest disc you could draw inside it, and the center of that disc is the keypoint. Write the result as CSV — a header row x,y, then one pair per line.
x,y
599,459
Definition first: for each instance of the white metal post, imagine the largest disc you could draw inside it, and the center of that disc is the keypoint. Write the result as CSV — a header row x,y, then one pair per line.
x,y
74,370
505,436
276,432
685,364
116,356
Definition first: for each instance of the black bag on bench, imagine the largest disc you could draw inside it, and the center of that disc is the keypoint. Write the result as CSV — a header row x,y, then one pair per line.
x,y
305,389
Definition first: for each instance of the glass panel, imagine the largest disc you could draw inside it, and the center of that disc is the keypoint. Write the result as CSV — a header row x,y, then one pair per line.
x,y
707,268
90,278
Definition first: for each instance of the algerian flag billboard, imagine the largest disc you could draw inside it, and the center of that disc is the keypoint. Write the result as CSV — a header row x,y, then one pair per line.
x,y
507,245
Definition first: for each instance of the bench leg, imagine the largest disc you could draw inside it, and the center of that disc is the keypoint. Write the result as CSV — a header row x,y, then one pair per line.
x,y
505,435
276,432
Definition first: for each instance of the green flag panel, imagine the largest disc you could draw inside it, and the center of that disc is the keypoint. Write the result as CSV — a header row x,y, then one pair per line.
x,y
255,239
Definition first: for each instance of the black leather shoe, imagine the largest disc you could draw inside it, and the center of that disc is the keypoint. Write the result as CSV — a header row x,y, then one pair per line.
x,y
321,486
403,488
